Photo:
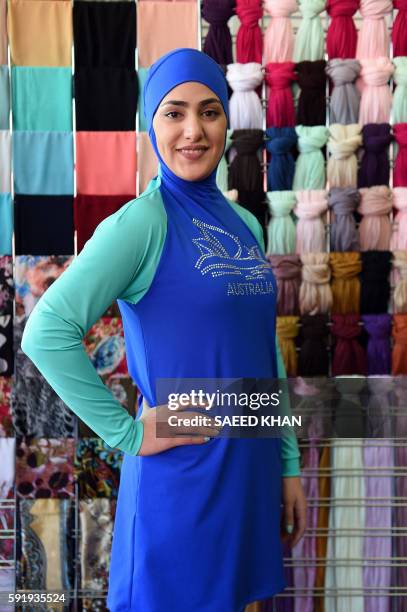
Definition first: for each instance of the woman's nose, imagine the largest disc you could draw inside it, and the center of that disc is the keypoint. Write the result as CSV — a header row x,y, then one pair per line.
x,y
193,128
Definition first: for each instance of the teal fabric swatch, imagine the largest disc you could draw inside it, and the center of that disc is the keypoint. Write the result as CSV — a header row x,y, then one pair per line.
x,y
281,233
42,98
43,163
399,108
4,98
6,224
142,76
222,171
310,165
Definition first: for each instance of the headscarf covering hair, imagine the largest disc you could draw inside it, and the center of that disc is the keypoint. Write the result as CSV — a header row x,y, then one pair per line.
x,y
174,68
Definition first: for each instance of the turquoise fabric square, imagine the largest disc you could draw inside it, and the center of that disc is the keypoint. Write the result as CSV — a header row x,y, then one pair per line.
x,y
43,163
41,98
142,77
6,224
4,98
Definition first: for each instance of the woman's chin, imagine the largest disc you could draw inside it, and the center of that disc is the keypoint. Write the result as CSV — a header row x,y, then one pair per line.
x,y
193,172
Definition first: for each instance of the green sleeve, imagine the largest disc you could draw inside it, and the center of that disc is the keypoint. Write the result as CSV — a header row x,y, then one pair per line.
x,y
117,262
290,451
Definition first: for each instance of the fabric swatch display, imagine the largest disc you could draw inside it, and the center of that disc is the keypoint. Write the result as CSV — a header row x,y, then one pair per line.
x,y
400,460
44,468
315,291
400,163
280,104
249,40
399,30
7,472
373,36
341,37
349,356
376,99
375,283
97,468
4,98
343,573
43,225
375,166
399,350
324,494
304,573
313,340
218,41
312,82
104,344
3,32
309,42
90,210
343,144
221,172
310,164
106,163
6,285
287,270
310,229
105,99
32,277
5,165
245,172
345,96
43,162
95,28
345,286
40,33
141,76
287,331
6,422
41,98
37,411
399,229
281,228
399,108
378,483
45,526
280,144
400,289
245,105
344,235
378,328
279,37
163,26
6,223
96,518
375,228
6,345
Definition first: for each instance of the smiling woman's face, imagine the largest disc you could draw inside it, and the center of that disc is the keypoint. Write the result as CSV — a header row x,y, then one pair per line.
x,y
190,126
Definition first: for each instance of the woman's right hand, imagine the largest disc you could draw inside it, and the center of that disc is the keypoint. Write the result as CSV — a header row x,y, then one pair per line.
x,y
198,434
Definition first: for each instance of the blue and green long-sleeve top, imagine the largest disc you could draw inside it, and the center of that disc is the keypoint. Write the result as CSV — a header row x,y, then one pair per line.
x,y
118,262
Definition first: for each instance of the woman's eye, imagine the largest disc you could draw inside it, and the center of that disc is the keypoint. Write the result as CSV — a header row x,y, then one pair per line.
x,y
211,113
172,114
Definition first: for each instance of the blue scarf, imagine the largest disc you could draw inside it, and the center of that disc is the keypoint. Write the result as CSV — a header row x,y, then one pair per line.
x,y
172,69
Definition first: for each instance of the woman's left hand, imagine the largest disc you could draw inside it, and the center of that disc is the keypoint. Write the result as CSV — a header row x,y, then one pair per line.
x,y
295,510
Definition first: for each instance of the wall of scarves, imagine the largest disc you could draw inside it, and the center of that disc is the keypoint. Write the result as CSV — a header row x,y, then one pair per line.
x,y
317,150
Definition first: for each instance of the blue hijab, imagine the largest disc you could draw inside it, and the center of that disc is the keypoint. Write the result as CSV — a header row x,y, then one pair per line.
x,y
176,67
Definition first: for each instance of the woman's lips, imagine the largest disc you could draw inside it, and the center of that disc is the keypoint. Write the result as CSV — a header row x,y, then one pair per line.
x,y
193,154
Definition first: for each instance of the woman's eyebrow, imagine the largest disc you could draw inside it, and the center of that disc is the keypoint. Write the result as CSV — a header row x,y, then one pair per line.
x,y
182,103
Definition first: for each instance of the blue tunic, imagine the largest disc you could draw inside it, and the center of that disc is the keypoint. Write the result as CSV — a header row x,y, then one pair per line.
x,y
197,527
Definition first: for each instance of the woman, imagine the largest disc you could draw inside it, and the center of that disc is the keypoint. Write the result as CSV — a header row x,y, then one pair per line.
x,y
197,525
